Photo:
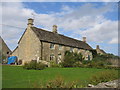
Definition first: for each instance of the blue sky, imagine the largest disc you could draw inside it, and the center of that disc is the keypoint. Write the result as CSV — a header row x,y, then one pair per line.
x,y
95,20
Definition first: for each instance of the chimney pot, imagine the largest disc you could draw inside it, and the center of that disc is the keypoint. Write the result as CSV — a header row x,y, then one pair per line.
x,y
97,47
30,22
54,29
84,39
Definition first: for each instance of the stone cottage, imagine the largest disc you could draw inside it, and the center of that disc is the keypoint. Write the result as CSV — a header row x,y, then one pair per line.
x,y
100,51
3,47
39,44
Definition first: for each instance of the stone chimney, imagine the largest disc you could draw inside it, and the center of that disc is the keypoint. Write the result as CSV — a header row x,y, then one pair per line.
x,y
84,39
54,30
30,22
97,47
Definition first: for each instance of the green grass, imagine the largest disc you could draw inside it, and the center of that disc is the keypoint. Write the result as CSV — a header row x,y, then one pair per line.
x,y
17,77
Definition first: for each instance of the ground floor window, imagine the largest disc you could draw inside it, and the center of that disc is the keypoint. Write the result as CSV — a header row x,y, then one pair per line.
x,y
59,58
52,57
71,49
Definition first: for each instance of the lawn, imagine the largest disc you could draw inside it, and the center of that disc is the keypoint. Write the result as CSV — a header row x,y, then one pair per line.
x,y
17,77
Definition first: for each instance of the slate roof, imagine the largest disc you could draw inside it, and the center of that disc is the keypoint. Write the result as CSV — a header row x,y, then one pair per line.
x,y
48,36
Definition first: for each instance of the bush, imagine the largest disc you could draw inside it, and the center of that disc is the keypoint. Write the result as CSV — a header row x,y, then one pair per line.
x,y
100,61
59,82
53,64
40,66
34,65
71,58
103,76
78,64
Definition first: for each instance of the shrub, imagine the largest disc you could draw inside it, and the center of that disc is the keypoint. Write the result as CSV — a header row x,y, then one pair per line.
x,y
99,61
53,64
59,82
78,64
34,65
86,62
71,58
40,66
30,65
103,76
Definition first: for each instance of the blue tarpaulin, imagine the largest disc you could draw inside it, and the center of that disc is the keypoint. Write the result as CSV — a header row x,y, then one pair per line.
x,y
12,59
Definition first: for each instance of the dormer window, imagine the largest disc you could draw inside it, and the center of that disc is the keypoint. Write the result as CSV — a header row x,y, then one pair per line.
x,y
52,46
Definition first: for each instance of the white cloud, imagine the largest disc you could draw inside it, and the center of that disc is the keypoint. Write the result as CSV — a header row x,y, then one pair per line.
x,y
70,19
114,40
103,32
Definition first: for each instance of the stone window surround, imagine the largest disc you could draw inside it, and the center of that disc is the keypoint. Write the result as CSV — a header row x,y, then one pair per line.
x,y
60,47
71,49
52,46
51,57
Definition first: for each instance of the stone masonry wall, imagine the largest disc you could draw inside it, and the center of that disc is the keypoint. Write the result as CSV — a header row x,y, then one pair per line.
x,y
4,48
29,47
15,53
47,51
99,51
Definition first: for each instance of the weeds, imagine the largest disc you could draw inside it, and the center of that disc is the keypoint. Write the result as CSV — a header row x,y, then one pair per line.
x,y
104,76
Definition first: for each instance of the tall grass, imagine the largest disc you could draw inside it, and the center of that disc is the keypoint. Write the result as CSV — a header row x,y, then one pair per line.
x,y
104,76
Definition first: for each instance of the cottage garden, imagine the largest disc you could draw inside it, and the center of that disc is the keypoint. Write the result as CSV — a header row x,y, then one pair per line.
x,y
74,72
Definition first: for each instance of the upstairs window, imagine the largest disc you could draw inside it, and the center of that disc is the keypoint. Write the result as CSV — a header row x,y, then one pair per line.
x,y
51,57
79,50
71,49
52,46
60,47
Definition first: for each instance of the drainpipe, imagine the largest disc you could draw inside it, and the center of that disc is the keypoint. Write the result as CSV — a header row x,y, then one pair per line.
x,y
41,50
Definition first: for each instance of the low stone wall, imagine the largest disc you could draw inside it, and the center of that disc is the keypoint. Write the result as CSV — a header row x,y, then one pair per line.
x,y
110,84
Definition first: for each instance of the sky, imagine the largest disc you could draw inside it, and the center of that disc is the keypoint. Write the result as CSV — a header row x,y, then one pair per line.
x,y
98,21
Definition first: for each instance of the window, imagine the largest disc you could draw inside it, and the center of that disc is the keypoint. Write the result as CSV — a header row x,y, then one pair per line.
x,y
71,49
59,58
51,57
60,47
79,50
52,46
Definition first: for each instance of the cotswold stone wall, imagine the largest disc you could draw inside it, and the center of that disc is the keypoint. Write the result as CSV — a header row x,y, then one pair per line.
x,y
56,51
15,52
47,51
29,47
99,51
3,47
